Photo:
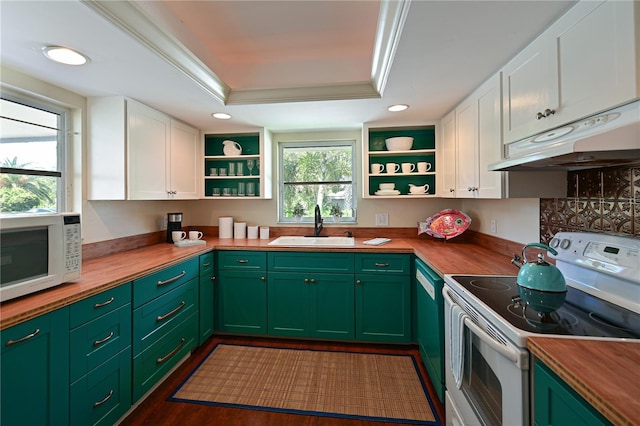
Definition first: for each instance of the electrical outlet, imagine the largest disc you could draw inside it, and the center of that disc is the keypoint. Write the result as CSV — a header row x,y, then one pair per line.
x,y
382,219
494,226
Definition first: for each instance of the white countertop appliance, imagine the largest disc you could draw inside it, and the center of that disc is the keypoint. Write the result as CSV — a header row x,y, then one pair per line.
x,y
487,324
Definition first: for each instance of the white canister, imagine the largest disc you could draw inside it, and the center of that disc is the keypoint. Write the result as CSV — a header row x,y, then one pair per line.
x,y
264,232
252,232
240,230
225,227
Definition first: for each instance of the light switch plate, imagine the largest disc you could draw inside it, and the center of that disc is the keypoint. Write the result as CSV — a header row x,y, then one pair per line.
x,y
382,219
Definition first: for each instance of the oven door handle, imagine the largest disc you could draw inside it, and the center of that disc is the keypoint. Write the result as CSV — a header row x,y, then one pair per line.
x,y
510,353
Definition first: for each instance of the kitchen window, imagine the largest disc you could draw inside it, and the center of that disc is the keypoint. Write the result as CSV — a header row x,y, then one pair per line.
x,y
32,161
317,173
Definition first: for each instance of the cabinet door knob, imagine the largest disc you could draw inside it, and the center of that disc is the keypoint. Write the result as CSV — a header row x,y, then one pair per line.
x,y
548,112
358,282
306,280
452,190
213,278
539,116
262,278
313,280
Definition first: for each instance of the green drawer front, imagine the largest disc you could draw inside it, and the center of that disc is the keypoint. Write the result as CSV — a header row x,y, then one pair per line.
x,y
154,319
104,395
206,264
94,306
383,263
246,260
152,364
154,285
95,342
311,262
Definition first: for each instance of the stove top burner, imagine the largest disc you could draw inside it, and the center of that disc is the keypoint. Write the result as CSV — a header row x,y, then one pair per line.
x,y
580,315
543,320
489,284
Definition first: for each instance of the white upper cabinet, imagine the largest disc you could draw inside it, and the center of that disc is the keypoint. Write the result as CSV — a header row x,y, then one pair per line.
x,y
478,136
446,155
138,153
586,62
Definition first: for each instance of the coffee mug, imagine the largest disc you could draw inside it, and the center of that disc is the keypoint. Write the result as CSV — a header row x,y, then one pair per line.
x,y
178,235
408,167
195,235
424,167
392,168
376,168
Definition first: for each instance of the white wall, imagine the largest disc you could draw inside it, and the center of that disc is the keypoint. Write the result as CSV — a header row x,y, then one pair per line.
x,y
517,219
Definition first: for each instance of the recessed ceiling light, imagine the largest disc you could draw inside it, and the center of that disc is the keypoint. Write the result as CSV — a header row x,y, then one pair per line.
x,y
398,107
65,55
221,115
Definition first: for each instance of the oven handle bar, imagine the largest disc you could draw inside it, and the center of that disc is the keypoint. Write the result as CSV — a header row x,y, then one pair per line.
x,y
511,354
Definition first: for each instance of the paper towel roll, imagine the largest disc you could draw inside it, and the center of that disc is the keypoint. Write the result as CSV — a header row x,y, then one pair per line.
x,y
252,232
240,230
225,227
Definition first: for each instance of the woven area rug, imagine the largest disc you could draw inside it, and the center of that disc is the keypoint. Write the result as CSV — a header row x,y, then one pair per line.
x,y
311,382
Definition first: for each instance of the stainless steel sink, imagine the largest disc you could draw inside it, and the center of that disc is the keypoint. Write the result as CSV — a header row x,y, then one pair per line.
x,y
298,241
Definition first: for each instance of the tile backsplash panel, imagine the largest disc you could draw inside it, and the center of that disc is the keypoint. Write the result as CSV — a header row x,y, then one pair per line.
x,y
603,200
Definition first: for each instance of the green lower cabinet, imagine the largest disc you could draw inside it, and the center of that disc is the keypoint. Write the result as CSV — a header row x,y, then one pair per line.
x,y
383,308
102,396
206,297
241,301
311,305
555,403
34,365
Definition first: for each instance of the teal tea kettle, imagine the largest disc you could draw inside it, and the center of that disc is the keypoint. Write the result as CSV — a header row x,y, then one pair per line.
x,y
541,285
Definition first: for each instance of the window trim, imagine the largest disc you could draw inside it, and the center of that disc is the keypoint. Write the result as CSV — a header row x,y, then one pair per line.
x,y
64,115
323,142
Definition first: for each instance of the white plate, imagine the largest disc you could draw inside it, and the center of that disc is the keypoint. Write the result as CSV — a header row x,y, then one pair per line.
x,y
392,192
417,193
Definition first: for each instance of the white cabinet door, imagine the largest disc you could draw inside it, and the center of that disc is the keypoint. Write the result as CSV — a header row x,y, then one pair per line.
x,y
489,183
184,161
447,153
530,83
467,148
149,135
598,50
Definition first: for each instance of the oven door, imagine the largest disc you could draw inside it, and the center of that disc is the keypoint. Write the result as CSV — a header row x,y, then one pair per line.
x,y
495,378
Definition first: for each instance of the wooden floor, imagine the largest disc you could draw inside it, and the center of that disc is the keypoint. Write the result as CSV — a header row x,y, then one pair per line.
x,y
156,410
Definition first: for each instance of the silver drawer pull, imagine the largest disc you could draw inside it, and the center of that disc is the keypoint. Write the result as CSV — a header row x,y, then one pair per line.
x,y
175,311
242,261
27,337
106,398
171,280
100,305
99,342
206,264
172,353
382,265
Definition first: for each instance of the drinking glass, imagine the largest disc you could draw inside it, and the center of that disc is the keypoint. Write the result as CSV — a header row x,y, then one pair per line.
x,y
232,169
240,169
240,189
250,164
258,167
251,189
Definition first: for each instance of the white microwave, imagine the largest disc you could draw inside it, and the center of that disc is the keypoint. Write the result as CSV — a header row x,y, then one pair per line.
x,y
38,252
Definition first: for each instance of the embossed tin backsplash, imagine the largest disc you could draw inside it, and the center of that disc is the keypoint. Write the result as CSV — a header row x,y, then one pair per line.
x,y
598,200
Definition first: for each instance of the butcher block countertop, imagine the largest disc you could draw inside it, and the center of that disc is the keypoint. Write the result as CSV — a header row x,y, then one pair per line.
x,y
606,374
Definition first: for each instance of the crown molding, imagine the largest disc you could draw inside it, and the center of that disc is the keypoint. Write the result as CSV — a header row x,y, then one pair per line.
x,y
134,21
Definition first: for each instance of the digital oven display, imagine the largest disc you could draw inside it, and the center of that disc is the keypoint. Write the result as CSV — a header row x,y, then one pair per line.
x,y
612,250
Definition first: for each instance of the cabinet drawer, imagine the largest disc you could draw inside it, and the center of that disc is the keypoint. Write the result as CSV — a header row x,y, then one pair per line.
x,y
154,285
246,260
104,395
96,341
154,319
152,364
383,263
91,308
206,264
311,262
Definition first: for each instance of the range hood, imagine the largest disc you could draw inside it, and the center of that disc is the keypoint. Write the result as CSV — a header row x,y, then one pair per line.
x,y
610,138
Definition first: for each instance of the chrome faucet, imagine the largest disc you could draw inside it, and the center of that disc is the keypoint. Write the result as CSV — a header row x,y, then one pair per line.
x,y
318,222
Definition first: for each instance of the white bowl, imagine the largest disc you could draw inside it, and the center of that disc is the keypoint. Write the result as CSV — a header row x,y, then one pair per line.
x,y
400,143
387,186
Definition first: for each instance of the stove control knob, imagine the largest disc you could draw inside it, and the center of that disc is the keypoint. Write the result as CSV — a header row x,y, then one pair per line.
x,y
564,244
554,242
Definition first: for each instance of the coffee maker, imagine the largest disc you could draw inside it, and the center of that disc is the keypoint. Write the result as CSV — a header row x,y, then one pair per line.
x,y
174,223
